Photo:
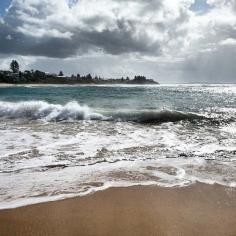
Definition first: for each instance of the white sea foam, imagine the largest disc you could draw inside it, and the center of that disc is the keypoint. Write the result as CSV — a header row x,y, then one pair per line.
x,y
74,111
169,136
44,162
49,112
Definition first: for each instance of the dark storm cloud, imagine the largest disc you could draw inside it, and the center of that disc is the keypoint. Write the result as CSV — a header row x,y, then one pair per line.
x,y
113,42
12,42
31,34
120,39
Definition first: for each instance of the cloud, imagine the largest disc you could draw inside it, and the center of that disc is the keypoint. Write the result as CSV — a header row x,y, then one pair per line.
x,y
167,37
229,42
24,61
116,27
210,55
8,37
212,66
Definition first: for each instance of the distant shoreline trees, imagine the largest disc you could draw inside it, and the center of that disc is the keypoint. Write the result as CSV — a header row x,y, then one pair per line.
x,y
60,73
14,66
40,77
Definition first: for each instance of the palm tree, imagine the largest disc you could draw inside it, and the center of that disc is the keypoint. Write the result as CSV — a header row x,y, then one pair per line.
x,y
14,66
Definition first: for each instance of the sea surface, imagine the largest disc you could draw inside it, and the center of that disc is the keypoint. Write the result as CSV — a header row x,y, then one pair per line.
x,y
63,141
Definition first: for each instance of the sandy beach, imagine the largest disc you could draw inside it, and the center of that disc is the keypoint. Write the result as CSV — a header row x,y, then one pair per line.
x,y
196,210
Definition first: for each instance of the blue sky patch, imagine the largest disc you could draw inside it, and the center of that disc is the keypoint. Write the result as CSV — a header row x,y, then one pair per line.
x,y
3,5
200,6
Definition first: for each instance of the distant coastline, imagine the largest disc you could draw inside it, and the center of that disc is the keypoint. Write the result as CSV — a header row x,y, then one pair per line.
x,y
39,77
15,76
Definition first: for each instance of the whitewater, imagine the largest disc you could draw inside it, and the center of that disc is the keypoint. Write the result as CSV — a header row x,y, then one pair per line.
x,y
58,142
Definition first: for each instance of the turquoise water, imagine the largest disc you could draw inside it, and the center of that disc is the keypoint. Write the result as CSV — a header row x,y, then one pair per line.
x,y
62,141
182,98
135,103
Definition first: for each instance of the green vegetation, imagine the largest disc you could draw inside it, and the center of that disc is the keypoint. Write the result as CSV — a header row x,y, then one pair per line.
x,y
14,66
15,76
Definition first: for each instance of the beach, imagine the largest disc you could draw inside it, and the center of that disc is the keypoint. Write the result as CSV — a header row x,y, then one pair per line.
x,y
118,160
199,209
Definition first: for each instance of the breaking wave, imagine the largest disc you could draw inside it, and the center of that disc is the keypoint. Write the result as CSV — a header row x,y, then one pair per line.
x,y
51,112
72,111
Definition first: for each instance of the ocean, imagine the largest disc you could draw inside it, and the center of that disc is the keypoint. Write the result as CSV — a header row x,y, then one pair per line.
x,y
58,142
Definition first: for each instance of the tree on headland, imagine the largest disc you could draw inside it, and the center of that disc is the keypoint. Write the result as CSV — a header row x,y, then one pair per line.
x,y
14,66
140,78
36,76
61,73
89,77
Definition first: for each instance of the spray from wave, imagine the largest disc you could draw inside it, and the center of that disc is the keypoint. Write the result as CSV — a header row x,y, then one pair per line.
x,y
72,111
50,112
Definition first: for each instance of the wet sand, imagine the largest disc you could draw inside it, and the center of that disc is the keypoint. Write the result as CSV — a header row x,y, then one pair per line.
x,y
196,210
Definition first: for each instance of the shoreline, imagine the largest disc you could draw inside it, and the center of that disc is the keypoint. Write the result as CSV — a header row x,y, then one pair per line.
x,y
2,85
199,209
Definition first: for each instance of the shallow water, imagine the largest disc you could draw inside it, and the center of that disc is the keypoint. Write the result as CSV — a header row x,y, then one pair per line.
x,y
63,141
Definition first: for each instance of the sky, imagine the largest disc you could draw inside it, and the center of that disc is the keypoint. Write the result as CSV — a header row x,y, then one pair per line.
x,y
4,4
170,41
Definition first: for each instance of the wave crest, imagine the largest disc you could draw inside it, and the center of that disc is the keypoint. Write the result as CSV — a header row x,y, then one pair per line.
x,y
50,112
73,111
